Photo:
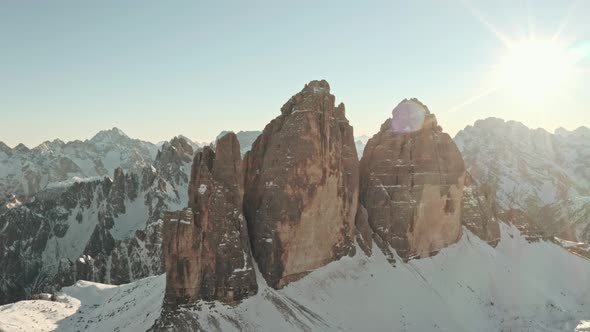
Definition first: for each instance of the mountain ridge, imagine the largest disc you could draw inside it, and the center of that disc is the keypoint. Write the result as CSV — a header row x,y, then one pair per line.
x,y
533,170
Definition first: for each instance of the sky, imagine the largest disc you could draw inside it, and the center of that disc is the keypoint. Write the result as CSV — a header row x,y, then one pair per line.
x,y
157,69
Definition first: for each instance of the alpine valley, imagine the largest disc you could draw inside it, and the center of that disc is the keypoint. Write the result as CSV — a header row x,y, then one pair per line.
x,y
302,226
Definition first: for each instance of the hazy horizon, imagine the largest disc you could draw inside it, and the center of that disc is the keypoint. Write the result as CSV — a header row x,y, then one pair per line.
x,y
211,139
156,71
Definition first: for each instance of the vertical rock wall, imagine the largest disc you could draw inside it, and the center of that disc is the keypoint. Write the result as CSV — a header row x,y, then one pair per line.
x,y
301,187
411,183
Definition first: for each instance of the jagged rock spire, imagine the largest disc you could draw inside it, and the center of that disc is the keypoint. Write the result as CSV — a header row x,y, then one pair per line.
x,y
301,187
206,246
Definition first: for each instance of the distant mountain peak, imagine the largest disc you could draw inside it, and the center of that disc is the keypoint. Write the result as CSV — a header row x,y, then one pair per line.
x,y
245,137
50,145
188,140
5,148
582,131
117,131
21,148
362,138
110,134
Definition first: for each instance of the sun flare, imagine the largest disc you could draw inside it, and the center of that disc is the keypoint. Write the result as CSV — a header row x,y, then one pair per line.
x,y
535,69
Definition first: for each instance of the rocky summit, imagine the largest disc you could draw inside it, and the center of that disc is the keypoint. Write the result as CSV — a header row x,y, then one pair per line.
x,y
411,183
301,187
206,246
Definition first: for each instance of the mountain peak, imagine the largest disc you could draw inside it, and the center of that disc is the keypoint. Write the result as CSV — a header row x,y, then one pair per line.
x,y
579,132
21,148
5,148
188,140
117,131
305,100
362,138
410,115
317,86
489,123
109,135
50,145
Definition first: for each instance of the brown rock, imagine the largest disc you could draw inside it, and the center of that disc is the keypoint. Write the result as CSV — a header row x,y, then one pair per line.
x,y
301,187
206,246
478,211
411,183
365,233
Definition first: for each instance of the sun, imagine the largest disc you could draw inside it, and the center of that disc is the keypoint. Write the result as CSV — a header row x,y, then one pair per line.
x,y
534,69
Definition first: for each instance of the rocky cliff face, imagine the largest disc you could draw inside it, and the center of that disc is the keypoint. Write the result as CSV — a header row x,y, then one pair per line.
x,y
105,230
301,187
479,211
206,246
411,183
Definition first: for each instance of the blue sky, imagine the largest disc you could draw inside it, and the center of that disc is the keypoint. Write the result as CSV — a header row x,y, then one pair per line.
x,y
157,69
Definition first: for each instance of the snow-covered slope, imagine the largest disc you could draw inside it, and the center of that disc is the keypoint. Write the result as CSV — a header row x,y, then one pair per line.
x,y
89,306
469,286
25,171
533,170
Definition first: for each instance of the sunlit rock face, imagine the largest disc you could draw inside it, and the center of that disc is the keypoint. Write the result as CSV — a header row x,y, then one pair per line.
x,y
411,183
206,246
301,187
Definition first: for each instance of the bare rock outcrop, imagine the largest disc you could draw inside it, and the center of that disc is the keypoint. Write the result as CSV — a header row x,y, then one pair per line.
x,y
479,211
206,246
364,236
411,183
301,187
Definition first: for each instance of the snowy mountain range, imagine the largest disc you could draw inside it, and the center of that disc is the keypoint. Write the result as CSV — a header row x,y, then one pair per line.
x,y
24,171
105,230
87,210
545,174
89,214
